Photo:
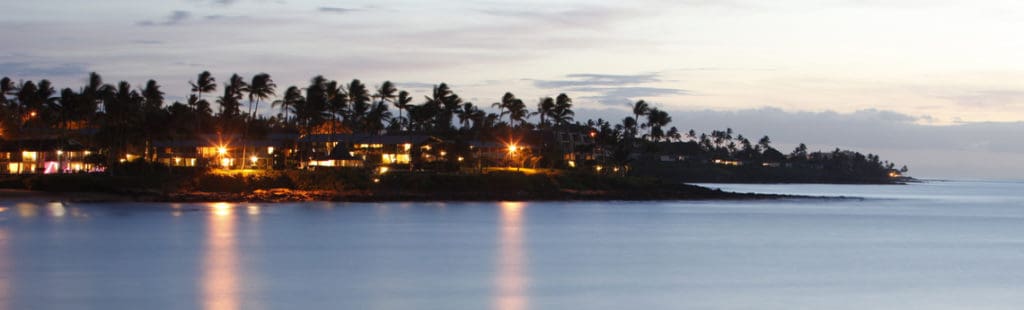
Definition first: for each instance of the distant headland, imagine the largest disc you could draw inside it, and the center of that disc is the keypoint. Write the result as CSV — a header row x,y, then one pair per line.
x,y
348,141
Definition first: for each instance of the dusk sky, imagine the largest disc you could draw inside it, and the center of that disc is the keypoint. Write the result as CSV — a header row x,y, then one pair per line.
x,y
936,85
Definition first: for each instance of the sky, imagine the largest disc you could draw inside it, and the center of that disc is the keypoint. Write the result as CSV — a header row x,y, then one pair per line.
x,y
936,85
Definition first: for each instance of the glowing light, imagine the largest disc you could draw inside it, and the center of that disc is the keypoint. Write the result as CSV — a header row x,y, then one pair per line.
x,y
221,209
376,180
254,159
572,164
598,168
512,148
460,159
383,170
60,152
32,114
253,210
222,150
443,153
177,161
225,162
407,146
270,150
29,156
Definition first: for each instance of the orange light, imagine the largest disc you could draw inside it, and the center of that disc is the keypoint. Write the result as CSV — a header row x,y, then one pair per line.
x,y
222,150
512,148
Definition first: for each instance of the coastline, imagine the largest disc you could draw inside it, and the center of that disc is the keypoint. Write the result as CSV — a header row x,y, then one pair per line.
x,y
287,195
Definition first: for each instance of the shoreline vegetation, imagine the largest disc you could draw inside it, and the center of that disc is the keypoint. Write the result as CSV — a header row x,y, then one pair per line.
x,y
338,141
302,186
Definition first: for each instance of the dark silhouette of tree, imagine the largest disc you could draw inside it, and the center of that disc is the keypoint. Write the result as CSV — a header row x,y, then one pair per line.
x,y
562,113
261,88
640,108
507,100
402,103
205,83
656,121
292,97
517,113
545,107
359,104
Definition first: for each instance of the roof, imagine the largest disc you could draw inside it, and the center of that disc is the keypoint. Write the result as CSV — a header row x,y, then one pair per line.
x,y
274,139
368,139
43,145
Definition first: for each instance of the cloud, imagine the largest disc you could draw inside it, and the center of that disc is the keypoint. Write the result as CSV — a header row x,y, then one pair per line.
x,y
585,17
988,98
41,70
415,85
589,79
611,89
337,10
174,18
625,95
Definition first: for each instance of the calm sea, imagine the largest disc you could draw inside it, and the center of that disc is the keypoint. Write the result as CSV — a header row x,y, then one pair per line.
x,y
934,245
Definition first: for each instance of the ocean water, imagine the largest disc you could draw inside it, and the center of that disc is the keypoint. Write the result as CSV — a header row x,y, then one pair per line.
x,y
933,245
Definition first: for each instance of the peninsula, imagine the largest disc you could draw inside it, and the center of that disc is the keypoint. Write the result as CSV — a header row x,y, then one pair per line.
x,y
348,141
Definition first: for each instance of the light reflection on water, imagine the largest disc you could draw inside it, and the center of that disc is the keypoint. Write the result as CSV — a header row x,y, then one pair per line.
x,y
511,280
220,272
5,270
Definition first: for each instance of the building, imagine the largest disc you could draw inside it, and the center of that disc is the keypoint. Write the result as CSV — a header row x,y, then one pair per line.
x,y
366,150
228,151
46,156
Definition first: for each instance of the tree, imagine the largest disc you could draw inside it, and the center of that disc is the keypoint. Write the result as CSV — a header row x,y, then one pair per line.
x,y
657,120
506,100
205,83
764,143
562,114
261,88
800,152
640,108
292,97
359,104
402,103
517,113
545,107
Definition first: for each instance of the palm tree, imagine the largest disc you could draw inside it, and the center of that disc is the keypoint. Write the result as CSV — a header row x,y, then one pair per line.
x,y
7,87
466,114
441,106
506,100
205,83
386,94
402,103
261,88
545,107
359,104
640,108
292,97
154,97
231,101
517,113
562,113
656,120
